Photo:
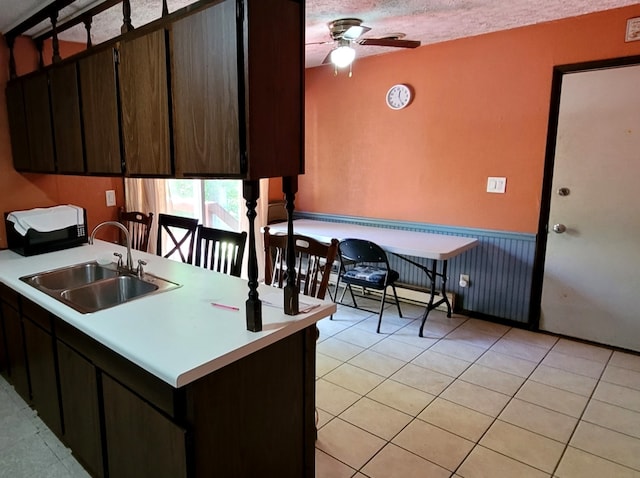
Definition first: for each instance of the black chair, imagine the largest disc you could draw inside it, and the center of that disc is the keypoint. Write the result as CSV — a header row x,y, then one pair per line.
x,y
181,232
312,265
220,250
139,226
365,264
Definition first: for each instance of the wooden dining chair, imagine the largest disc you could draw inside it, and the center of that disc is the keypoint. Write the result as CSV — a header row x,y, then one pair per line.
x,y
220,250
313,262
139,226
181,233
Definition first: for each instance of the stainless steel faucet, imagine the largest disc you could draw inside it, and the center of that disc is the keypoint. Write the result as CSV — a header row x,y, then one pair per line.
x,y
126,235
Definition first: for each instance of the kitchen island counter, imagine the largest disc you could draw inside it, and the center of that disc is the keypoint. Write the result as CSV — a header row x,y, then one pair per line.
x,y
177,335
166,385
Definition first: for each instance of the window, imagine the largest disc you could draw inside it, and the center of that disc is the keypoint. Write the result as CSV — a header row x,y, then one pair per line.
x,y
215,203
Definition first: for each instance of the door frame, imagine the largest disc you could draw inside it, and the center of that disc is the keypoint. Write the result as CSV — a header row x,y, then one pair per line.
x,y
547,179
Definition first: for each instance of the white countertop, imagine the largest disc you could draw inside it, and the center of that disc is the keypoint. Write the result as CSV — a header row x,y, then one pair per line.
x,y
409,243
176,335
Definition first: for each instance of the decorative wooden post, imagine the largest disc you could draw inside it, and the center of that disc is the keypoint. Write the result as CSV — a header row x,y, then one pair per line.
x,y
251,193
87,26
40,48
291,292
126,17
12,59
54,39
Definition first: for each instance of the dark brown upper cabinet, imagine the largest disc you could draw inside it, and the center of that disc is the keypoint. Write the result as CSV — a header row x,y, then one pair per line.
x,y
38,117
65,112
18,126
237,90
99,96
205,92
229,102
144,102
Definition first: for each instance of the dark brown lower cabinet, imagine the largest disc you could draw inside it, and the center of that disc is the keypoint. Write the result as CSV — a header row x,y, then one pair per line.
x,y
81,410
16,357
42,373
140,440
253,417
4,363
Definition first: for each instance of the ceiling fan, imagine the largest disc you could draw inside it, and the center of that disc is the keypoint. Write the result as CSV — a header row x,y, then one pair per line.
x,y
345,32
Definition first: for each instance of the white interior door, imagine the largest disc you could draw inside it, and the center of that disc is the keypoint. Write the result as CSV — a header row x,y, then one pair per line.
x,y
591,287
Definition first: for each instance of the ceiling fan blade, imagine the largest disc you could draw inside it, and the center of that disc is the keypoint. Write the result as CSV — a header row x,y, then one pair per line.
x,y
320,42
354,32
393,42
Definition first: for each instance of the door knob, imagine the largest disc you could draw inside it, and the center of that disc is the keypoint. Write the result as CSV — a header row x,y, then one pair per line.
x,y
559,228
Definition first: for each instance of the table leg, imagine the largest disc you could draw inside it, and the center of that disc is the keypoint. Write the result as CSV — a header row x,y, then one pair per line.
x,y
432,275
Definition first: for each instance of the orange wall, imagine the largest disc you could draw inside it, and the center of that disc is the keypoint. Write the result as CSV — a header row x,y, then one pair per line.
x,y
480,109
25,191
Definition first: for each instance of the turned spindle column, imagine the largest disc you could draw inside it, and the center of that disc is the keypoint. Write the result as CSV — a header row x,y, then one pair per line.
x,y
12,59
87,26
251,193
291,292
54,39
126,17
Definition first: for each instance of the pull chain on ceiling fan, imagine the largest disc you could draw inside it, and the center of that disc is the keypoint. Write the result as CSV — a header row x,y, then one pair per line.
x,y
347,31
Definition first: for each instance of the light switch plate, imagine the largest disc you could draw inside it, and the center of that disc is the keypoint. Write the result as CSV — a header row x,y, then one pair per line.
x,y
496,185
111,197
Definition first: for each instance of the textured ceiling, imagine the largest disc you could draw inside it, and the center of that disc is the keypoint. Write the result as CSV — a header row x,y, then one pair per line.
x,y
429,21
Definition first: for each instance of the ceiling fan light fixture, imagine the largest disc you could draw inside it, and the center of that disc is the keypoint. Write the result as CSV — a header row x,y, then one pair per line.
x,y
343,56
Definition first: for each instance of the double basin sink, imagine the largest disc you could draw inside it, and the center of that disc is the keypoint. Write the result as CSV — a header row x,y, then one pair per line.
x,y
91,287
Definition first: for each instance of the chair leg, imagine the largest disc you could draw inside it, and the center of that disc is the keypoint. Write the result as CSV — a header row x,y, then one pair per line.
x,y
343,292
397,301
353,297
384,296
334,298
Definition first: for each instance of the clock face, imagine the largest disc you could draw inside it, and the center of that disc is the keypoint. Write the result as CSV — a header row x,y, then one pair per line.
x,y
398,96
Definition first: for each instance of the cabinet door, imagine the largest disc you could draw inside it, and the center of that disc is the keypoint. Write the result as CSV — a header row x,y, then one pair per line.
x,y
38,117
274,58
18,126
100,113
4,363
18,372
204,72
65,111
140,440
80,408
144,99
42,374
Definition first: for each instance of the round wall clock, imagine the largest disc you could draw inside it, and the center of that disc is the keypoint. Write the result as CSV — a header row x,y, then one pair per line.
x,y
398,97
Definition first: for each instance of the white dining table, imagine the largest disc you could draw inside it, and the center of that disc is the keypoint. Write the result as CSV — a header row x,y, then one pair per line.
x,y
438,248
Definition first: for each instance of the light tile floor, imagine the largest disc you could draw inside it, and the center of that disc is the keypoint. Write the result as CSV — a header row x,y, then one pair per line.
x,y
470,399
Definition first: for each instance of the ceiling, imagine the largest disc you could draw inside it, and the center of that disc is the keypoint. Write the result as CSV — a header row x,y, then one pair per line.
x,y
429,21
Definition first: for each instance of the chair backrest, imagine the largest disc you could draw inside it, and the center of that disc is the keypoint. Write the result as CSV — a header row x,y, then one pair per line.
x,y
139,226
313,262
220,250
181,234
361,250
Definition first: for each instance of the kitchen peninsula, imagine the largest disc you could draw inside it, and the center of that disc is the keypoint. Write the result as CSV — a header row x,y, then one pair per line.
x,y
165,385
